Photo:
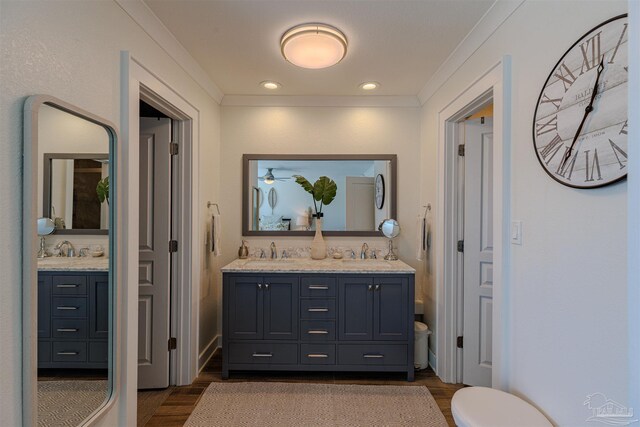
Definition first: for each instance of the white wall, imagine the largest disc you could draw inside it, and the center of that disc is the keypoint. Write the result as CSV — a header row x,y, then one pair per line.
x,y
71,50
320,130
567,298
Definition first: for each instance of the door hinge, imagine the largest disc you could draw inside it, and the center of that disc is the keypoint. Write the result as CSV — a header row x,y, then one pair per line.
x,y
173,148
459,342
173,246
173,343
460,245
461,150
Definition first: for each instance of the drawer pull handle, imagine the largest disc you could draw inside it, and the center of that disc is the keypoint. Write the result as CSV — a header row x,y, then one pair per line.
x,y
68,353
318,331
66,307
67,330
318,310
318,287
66,286
317,356
262,355
373,356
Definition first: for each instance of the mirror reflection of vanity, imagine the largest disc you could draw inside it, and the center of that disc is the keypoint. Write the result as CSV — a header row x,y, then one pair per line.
x,y
68,161
275,205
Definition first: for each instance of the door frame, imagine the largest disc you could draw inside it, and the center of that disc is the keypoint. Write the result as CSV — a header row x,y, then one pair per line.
x,y
493,84
139,83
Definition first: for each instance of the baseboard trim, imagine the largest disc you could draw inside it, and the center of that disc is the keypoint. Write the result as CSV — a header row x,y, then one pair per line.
x,y
208,352
433,361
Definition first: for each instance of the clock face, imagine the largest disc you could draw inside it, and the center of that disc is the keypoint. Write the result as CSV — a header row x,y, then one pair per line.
x,y
379,191
580,137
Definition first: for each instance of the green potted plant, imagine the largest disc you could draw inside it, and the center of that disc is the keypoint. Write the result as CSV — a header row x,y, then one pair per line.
x,y
323,191
102,189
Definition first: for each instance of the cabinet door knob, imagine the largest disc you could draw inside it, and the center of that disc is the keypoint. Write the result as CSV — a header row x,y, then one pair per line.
x,y
370,287
377,287
259,285
266,286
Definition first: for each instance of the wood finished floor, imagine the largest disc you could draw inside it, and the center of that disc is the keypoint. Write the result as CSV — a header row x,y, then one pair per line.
x,y
181,401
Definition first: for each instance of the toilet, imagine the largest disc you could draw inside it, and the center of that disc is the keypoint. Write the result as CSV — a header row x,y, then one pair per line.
x,y
487,407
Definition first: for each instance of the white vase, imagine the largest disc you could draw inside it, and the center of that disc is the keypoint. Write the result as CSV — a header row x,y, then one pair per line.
x,y
318,246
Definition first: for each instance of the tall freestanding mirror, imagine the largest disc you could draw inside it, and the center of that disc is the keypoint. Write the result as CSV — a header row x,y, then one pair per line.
x,y
69,269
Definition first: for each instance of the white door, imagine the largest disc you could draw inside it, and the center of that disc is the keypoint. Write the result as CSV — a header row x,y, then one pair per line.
x,y
360,196
478,252
155,259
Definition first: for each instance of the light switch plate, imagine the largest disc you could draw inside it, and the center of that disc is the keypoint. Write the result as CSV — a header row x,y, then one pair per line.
x,y
516,232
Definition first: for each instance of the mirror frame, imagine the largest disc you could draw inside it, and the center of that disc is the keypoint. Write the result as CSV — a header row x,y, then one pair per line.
x,y
246,158
46,189
31,110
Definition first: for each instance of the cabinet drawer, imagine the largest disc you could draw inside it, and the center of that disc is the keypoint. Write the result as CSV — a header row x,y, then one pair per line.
x,y
317,354
318,308
98,352
44,351
263,353
317,286
372,354
317,330
69,351
69,285
69,307
69,328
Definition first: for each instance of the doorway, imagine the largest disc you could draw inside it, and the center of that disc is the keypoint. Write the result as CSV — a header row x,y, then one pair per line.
x,y
493,86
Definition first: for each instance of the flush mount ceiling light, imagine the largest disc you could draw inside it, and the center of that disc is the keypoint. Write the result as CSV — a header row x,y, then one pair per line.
x,y
313,46
369,85
271,85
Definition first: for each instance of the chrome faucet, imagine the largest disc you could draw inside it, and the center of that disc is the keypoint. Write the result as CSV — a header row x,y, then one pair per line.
x,y
83,252
353,254
274,251
262,254
373,254
70,249
284,254
363,251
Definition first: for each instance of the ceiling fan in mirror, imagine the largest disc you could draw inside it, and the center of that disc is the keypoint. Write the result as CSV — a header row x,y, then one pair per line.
x,y
269,178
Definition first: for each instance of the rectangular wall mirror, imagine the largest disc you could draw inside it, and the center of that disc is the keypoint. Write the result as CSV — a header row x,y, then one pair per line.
x,y
274,204
72,191
69,253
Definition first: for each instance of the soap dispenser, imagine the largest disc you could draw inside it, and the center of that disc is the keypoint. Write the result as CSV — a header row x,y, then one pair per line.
x,y
243,251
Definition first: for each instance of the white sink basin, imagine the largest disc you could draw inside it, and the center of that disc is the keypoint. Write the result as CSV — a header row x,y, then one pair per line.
x,y
380,263
267,263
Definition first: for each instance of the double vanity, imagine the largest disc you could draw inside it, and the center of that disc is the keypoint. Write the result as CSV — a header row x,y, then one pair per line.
x,y
73,313
310,315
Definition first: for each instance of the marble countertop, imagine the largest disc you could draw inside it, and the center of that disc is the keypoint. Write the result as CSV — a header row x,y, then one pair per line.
x,y
307,265
73,264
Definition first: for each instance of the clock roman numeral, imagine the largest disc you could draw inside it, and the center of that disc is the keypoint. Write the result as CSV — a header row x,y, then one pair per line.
x,y
615,51
595,166
624,128
555,101
549,151
590,53
617,151
566,167
549,126
566,76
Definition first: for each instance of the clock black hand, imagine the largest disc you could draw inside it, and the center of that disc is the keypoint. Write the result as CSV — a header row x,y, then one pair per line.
x,y
587,110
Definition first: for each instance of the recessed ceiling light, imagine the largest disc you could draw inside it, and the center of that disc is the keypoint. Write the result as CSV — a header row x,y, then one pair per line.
x,y
313,46
268,84
369,85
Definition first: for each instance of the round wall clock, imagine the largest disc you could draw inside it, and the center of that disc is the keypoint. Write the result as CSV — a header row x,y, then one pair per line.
x,y
379,191
580,123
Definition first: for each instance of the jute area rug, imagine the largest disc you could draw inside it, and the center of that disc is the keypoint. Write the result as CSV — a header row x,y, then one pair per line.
x,y
67,403
287,404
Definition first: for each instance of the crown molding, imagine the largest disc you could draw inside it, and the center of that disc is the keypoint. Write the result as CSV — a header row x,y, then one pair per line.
x,y
151,24
493,19
319,101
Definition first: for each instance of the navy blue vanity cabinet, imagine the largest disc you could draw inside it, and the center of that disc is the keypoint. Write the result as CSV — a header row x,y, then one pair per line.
x,y
73,319
318,322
